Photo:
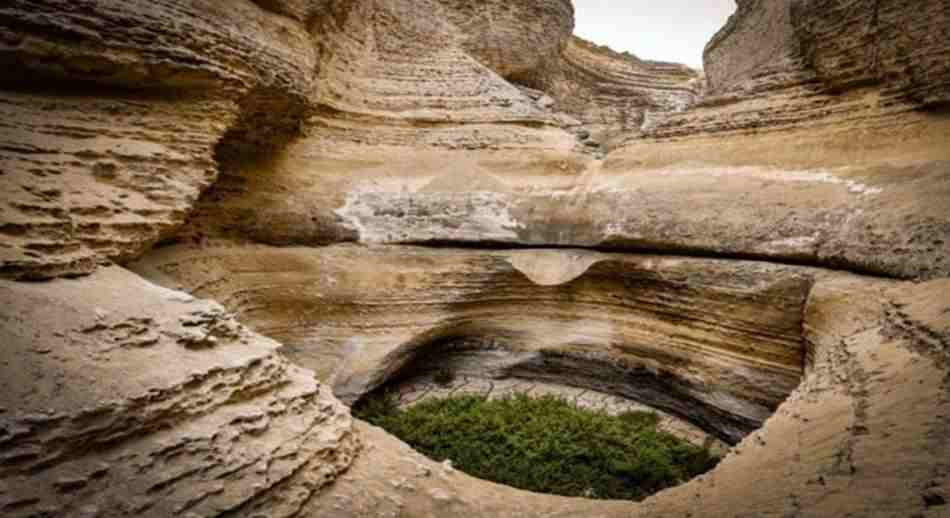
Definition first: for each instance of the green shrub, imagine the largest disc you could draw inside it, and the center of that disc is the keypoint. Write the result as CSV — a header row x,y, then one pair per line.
x,y
545,444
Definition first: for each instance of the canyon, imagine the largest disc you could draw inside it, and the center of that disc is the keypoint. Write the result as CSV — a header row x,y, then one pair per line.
x,y
224,223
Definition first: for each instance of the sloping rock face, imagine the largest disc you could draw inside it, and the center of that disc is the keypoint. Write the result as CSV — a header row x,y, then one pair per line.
x,y
119,397
378,128
613,94
515,39
115,164
123,398
877,48
756,44
372,168
782,101
688,238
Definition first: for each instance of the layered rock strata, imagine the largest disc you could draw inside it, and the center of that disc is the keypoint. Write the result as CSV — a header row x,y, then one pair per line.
x,y
871,347
784,102
122,398
520,172
863,434
515,39
898,45
717,343
852,178
107,168
820,138
614,94
881,213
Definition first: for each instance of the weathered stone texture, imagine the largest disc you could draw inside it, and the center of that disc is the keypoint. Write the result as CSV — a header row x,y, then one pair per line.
x,y
754,50
897,44
122,398
221,130
865,433
613,93
106,170
665,331
515,39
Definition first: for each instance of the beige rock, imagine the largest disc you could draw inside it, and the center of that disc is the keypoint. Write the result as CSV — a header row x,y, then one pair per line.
x,y
846,441
717,343
614,94
111,404
515,39
817,135
162,89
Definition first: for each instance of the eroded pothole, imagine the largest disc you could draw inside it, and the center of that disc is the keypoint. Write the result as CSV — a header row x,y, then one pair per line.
x,y
444,383
712,347
546,444
569,427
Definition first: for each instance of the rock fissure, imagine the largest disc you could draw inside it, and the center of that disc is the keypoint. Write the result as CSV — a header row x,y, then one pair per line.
x,y
814,262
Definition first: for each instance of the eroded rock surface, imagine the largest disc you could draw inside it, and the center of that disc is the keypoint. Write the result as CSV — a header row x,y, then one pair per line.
x,y
107,168
715,342
123,398
815,141
773,162
875,385
614,94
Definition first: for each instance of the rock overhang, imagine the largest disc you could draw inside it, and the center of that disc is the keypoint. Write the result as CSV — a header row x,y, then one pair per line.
x,y
380,136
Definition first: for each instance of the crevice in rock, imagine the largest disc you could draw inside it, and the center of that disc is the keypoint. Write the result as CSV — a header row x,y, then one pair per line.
x,y
268,120
839,265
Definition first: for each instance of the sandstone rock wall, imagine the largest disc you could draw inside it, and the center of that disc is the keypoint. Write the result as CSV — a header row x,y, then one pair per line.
x,y
122,398
107,169
785,94
89,178
679,182
515,39
839,45
613,93
382,59
717,343
213,127
754,50
367,88
897,44
863,434
304,11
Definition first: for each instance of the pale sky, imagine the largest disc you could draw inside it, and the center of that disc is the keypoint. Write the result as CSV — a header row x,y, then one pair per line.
x,y
664,30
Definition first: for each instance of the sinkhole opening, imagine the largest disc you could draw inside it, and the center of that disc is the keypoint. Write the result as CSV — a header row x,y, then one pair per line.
x,y
550,423
545,444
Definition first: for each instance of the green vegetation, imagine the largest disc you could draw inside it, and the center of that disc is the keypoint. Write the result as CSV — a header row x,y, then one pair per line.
x,y
545,444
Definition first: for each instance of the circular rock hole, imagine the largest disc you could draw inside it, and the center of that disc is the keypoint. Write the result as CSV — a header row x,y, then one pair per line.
x,y
494,419
546,444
